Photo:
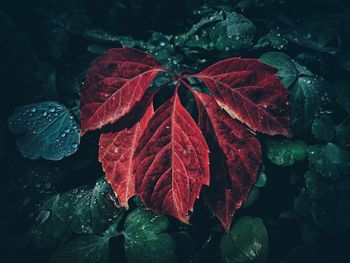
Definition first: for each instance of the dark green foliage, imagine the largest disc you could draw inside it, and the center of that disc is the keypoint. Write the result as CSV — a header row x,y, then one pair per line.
x,y
59,208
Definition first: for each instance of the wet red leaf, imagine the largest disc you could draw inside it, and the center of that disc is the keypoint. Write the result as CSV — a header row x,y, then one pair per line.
x,y
236,160
116,152
172,161
163,156
250,92
116,81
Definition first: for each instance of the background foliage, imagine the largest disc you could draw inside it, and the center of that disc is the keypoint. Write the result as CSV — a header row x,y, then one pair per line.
x,y
64,211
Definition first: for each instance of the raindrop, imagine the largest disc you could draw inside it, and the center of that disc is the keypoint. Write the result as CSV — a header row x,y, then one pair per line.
x,y
52,109
162,44
43,216
33,109
74,145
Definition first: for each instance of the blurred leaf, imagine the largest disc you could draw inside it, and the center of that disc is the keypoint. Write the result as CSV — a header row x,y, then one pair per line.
x,y
145,239
342,90
252,197
286,152
332,213
262,179
342,134
316,186
46,130
323,128
329,160
246,242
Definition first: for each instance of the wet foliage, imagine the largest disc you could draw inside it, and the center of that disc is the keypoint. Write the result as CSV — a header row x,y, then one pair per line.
x,y
55,203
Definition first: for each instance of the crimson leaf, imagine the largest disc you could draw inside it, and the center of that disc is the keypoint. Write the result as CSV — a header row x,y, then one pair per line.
x,y
172,161
250,92
235,173
116,82
116,152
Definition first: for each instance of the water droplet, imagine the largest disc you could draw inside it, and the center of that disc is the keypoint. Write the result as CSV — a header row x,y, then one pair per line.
x,y
43,216
45,113
33,109
162,44
74,145
63,134
52,109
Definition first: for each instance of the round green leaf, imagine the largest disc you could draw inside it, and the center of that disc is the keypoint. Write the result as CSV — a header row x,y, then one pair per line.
x,y
285,152
246,242
146,240
46,130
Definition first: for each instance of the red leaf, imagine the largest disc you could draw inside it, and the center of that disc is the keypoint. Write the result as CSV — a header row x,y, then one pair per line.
x,y
171,161
116,82
236,163
251,93
116,152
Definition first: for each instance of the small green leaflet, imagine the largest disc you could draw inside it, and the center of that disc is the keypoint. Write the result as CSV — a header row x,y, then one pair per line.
x,y
46,130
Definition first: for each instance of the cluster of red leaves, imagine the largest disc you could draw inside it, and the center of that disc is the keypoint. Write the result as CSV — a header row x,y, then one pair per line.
x,y
162,155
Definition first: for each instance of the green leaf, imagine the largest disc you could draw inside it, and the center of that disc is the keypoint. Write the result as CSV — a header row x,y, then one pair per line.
x,y
252,197
342,134
146,240
287,71
50,233
329,160
221,31
285,152
332,213
86,249
275,38
308,92
87,210
323,128
316,186
342,90
246,242
49,230
262,180
46,130
235,32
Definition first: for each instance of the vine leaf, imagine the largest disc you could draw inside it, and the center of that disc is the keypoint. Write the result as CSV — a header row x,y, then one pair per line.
x,y
163,157
235,173
172,160
250,92
116,152
117,80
